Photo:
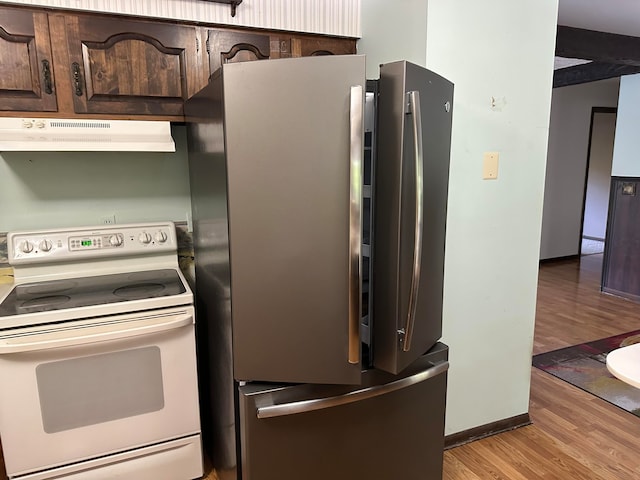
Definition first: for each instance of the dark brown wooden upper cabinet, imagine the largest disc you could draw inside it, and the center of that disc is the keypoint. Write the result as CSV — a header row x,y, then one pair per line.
x,y
131,67
228,46
312,45
280,45
26,69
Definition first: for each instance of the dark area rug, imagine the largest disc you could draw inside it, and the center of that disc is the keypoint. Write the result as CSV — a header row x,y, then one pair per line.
x,y
585,367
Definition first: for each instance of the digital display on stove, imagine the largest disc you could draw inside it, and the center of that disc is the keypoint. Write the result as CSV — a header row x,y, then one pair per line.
x,y
89,243
86,291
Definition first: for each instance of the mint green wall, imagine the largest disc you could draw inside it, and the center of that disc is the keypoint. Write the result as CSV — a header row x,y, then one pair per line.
x,y
60,189
393,31
499,54
627,141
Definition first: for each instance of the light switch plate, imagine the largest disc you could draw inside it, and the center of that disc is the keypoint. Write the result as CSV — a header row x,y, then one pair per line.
x,y
490,165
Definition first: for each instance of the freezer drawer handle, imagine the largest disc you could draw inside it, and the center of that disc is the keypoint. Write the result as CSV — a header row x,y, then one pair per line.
x,y
351,397
406,334
59,339
356,153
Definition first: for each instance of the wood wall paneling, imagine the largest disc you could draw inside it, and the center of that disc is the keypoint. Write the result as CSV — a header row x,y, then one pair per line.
x,y
323,17
621,269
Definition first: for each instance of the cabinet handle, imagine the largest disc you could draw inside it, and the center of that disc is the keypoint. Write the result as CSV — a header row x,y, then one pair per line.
x,y
77,80
46,73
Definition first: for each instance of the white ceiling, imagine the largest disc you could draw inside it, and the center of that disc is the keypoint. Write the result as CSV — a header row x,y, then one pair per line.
x,y
614,16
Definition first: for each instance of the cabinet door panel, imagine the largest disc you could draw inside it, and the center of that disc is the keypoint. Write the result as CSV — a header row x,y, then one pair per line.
x,y
232,47
131,67
280,45
114,68
26,71
312,46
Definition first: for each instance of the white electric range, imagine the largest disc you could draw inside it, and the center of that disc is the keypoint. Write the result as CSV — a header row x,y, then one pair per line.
x,y
98,372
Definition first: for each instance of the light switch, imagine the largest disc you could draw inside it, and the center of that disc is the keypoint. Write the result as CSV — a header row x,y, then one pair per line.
x,y
490,165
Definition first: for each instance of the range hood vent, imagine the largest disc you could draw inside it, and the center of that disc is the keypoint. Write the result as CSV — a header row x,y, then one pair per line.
x,y
69,135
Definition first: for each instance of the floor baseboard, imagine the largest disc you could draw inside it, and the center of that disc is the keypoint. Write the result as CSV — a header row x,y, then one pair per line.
x,y
476,433
559,259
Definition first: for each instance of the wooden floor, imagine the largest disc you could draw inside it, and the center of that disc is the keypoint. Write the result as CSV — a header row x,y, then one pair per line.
x,y
574,435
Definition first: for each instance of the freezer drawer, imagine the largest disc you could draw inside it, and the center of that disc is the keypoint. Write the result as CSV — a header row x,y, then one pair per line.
x,y
388,428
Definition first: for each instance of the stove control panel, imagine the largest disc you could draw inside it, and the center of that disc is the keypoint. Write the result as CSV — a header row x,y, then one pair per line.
x,y
58,245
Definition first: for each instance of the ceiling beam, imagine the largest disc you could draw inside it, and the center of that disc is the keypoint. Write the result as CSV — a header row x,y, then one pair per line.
x,y
597,46
590,72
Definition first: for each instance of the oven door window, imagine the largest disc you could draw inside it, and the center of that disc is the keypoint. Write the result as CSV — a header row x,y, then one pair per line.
x,y
99,388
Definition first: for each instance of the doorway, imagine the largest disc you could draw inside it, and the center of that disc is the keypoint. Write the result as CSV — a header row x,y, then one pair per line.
x,y
597,180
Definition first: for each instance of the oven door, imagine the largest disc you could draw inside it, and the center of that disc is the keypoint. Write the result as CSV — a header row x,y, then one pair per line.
x,y
79,390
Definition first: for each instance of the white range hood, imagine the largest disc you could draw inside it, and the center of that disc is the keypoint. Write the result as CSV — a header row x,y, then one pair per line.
x,y
73,135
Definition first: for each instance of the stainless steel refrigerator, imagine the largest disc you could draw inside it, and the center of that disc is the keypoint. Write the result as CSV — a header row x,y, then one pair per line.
x,y
319,210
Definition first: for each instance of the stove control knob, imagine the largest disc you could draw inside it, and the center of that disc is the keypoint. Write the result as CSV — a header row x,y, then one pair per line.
x,y
26,247
45,245
115,240
144,238
161,236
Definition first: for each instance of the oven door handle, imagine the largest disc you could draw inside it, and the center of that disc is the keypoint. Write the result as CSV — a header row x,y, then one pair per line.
x,y
94,334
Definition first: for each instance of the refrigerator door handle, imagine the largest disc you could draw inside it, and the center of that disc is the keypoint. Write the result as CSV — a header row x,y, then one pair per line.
x,y
413,102
356,127
305,406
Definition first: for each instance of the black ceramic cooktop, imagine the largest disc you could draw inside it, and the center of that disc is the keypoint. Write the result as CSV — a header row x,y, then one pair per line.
x,y
85,291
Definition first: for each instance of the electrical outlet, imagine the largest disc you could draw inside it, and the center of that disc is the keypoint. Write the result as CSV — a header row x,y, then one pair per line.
x,y
108,219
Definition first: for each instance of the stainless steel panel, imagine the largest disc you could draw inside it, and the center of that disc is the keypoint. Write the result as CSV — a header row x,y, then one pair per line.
x,y
396,212
287,138
399,434
208,173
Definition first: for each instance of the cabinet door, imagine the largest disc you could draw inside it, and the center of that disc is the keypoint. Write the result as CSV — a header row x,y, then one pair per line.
x,y
131,67
313,46
232,46
280,45
26,70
